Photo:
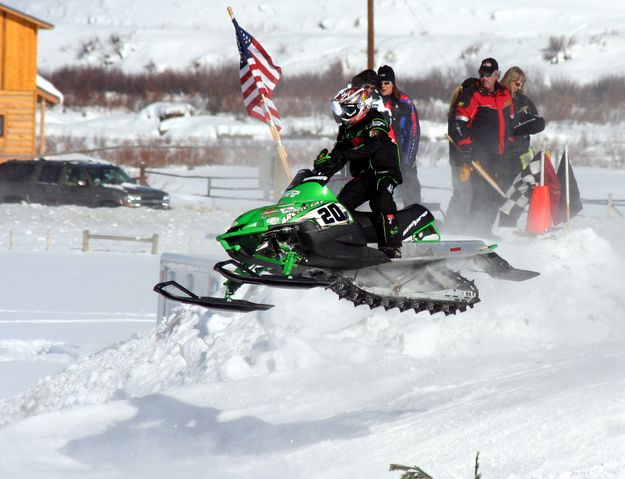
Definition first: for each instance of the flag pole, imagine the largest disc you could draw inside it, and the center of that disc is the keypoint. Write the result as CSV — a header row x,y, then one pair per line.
x,y
542,168
566,184
271,124
275,134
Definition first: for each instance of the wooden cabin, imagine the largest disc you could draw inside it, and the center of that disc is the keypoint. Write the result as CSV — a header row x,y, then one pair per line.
x,y
20,96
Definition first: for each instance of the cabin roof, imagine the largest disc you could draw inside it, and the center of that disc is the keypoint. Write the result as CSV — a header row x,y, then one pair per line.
x,y
25,16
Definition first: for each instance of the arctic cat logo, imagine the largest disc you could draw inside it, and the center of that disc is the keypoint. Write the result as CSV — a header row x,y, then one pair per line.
x,y
414,223
291,193
375,123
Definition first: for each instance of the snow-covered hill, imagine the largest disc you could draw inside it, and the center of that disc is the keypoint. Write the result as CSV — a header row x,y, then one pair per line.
x,y
413,36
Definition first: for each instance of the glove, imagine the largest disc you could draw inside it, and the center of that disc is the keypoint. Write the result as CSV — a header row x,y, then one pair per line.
x,y
322,159
465,156
465,173
531,126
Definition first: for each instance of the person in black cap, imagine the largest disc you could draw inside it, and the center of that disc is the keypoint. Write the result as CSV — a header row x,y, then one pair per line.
x,y
407,132
366,78
482,130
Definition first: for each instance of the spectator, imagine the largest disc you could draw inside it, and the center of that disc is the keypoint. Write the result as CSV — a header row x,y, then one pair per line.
x,y
363,140
526,119
526,123
406,130
366,78
457,214
482,129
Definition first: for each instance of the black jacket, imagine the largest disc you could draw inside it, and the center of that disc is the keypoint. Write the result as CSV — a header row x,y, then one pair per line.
x,y
368,148
526,123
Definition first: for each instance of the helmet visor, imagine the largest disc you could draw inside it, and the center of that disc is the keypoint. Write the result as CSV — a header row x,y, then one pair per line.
x,y
349,111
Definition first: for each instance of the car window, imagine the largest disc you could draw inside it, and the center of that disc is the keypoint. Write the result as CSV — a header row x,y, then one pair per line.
x,y
50,174
76,176
108,175
17,171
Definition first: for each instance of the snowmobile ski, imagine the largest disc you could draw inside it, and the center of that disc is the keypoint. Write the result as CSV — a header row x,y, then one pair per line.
x,y
226,304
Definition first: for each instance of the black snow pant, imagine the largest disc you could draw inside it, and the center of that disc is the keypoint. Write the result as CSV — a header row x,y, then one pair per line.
x,y
410,189
379,191
485,200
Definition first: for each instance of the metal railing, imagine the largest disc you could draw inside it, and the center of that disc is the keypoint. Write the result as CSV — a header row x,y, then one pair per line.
x,y
87,236
211,187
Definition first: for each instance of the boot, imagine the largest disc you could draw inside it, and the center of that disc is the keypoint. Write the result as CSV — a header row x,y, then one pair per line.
x,y
392,252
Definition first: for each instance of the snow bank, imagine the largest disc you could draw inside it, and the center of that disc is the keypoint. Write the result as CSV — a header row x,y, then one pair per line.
x,y
581,273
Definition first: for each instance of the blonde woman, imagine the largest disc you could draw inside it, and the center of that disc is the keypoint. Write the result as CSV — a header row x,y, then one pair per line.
x,y
526,119
526,123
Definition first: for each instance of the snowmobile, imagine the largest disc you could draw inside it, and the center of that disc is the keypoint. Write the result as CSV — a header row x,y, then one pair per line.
x,y
310,240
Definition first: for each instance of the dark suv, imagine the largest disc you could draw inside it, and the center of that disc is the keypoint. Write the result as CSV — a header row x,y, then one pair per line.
x,y
74,180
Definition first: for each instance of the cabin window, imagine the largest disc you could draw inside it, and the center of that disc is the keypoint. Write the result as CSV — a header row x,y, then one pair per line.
x,y
1,126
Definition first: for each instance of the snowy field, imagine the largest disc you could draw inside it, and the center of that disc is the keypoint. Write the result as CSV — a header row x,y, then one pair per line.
x,y
533,377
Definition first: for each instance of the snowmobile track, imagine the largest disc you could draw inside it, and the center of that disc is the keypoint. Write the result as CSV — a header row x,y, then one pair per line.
x,y
346,289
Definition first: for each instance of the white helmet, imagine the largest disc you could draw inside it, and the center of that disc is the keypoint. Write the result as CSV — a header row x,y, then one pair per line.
x,y
351,104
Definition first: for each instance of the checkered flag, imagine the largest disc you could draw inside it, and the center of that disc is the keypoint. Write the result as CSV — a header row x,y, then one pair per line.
x,y
518,195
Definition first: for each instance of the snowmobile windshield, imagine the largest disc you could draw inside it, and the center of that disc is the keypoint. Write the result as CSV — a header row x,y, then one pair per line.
x,y
299,178
108,175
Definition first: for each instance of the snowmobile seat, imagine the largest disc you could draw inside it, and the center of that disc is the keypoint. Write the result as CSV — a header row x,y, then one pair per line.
x,y
410,219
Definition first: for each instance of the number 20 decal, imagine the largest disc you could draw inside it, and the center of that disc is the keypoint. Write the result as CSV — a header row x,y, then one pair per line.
x,y
331,214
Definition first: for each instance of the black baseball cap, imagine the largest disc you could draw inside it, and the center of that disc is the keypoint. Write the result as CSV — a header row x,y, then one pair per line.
x,y
489,66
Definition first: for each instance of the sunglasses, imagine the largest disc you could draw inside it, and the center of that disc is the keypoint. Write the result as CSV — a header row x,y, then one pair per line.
x,y
386,83
519,84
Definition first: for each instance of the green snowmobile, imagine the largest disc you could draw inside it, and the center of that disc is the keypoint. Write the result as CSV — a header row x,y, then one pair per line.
x,y
308,240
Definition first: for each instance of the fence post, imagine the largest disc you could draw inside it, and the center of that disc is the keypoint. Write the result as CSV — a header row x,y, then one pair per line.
x,y
48,240
85,241
155,243
208,187
142,176
10,239
610,204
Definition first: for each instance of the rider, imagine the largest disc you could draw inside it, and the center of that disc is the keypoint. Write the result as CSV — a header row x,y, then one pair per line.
x,y
363,140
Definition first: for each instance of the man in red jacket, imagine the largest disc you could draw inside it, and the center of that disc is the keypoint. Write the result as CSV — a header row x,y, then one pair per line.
x,y
482,129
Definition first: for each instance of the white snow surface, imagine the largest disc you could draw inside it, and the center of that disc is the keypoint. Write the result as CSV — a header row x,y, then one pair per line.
x,y
532,377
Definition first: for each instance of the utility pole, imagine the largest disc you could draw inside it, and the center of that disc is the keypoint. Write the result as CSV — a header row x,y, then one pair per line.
x,y
370,36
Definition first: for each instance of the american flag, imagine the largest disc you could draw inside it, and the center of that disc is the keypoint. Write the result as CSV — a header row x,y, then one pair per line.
x,y
258,75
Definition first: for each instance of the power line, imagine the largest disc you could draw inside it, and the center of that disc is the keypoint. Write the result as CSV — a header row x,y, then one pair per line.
x,y
429,37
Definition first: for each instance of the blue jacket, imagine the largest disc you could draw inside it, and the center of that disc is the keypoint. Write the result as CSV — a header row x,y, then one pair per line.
x,y
405,125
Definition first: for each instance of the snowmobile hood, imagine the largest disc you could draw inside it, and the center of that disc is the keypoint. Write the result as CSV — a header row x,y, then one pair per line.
x,y
294,204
